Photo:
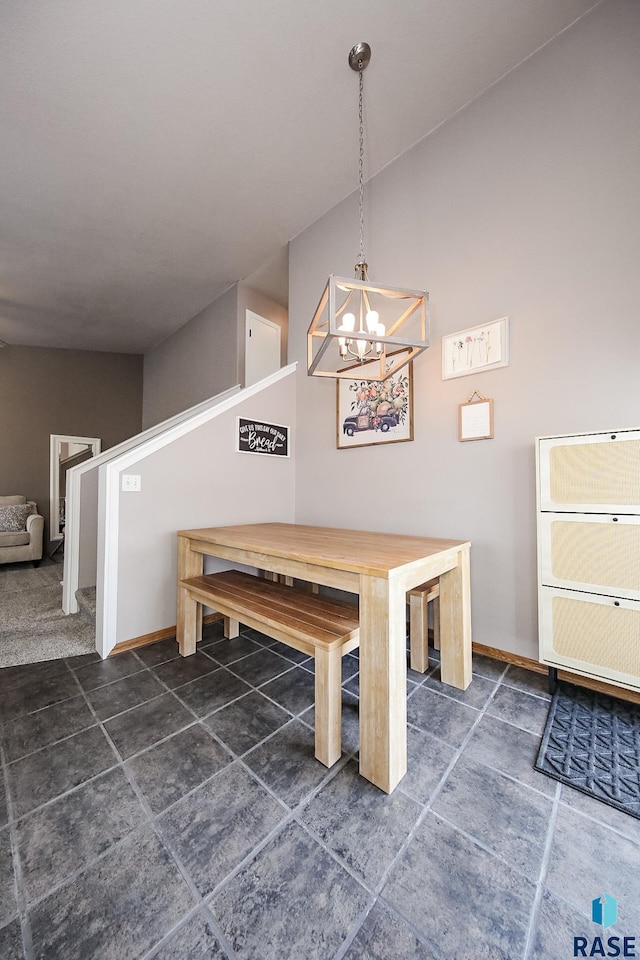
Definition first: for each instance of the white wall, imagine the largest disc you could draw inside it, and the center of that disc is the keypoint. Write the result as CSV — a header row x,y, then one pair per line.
x,y
526,204
196,481
198,361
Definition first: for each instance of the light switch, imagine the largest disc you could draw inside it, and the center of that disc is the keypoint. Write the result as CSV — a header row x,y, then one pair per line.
x,y
131,482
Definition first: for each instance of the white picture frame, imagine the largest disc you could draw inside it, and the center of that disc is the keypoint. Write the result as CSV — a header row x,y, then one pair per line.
x,y
476,349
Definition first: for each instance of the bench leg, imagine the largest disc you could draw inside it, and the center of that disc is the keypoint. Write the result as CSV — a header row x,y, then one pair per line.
x,y
436,623
310,587
231,628
419,633
328,706
189,629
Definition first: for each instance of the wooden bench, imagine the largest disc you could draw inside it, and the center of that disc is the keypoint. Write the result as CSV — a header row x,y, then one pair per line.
x,y
419,600
323,628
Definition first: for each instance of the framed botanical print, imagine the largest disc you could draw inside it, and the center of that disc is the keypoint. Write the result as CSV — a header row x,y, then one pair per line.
x,y
476,349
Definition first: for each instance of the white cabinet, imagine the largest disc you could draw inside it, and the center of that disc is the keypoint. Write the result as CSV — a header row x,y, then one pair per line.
x,y
588,491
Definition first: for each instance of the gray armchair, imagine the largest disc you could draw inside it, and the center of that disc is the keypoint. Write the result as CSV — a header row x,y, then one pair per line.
x,y
20,530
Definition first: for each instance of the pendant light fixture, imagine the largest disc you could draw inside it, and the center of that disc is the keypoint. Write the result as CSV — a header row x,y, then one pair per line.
x,y
363,330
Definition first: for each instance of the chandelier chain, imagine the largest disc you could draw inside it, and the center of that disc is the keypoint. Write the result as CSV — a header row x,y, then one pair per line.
x,y
361,169
357,320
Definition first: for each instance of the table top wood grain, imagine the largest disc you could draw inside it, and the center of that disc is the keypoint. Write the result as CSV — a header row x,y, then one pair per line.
x,y
356,551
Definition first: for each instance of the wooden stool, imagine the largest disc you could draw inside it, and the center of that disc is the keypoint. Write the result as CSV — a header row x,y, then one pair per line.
x,y
419,599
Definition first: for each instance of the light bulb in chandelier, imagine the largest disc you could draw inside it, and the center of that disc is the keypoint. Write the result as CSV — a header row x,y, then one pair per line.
x,y
373,321
363,345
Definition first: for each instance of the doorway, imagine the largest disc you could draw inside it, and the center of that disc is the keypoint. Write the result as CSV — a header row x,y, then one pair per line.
x,y
65,452
261,348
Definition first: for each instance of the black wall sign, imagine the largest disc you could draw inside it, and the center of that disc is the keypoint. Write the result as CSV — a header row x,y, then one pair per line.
x,y
257,437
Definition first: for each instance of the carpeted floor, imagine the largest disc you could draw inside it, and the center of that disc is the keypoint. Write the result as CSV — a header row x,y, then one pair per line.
x,y
32,624
592,743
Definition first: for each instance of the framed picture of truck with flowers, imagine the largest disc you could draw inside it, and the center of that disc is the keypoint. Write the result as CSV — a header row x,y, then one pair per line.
x,y
374,411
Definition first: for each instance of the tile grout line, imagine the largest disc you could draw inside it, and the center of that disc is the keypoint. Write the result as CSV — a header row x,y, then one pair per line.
x,y
183,922
355,929
542,876
18,879
483,846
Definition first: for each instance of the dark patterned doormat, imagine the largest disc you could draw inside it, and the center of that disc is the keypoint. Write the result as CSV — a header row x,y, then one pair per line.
x,y
592,743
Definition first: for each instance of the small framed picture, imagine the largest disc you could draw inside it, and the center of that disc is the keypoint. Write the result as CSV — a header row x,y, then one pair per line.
x,y
375,411
476,349
475,419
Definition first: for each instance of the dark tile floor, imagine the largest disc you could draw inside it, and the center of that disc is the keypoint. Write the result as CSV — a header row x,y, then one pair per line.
x,y
157,807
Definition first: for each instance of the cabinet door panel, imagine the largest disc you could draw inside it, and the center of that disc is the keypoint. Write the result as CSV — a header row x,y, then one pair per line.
x,y
591,552
592,635
596,473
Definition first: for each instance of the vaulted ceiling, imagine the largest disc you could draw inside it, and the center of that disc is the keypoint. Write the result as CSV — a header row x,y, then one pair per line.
x,y
153,152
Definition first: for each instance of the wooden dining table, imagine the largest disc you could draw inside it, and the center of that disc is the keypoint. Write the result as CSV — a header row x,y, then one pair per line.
x,y
380,568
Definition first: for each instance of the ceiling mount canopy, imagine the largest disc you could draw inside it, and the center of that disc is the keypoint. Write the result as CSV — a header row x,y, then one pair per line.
x,y
361,329
359,56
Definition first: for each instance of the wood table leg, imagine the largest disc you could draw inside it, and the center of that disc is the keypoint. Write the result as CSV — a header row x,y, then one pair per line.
x,y
455,623
188,612
383,682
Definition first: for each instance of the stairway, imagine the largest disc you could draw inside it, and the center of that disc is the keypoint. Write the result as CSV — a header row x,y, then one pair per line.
x,y
86,599
33,626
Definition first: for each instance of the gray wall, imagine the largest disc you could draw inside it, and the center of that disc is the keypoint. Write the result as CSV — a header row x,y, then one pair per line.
x,y
206,355
198,361
525,204
198,480
75,392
